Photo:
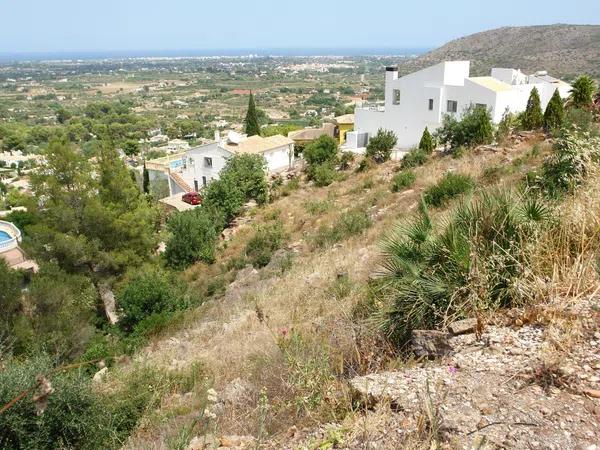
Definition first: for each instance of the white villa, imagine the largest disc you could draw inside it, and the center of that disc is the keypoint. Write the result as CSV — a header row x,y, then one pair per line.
x,y
421,99
193,169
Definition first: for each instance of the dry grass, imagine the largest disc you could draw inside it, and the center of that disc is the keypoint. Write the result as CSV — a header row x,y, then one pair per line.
x,y
239,335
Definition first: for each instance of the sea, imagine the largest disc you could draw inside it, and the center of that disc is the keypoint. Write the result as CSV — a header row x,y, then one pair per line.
x,y
207,53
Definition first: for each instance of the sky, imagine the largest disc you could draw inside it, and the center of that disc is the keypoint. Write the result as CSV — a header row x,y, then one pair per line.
x,y
92,25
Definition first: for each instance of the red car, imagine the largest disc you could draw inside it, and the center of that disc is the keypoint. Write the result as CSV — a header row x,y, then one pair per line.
x,y
193,198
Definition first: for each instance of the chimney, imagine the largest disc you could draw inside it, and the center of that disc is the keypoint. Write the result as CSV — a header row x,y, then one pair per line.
x,y
391,73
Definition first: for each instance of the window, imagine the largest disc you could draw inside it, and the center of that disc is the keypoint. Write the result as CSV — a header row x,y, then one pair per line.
x,y
452,106
207,162
481,105
196,185
396,97
430,104
203,181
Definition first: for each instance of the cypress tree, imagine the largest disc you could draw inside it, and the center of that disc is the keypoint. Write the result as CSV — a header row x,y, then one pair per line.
x,y
533,117
426,143
554,115
145,180
251,121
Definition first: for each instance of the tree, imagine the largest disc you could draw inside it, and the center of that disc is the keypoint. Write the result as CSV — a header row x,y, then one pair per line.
x,y
145,180
426,143
380,146
474,128
555,113
131,147
194,235
251,121
10,295
582,92
321,150
533,117
248,172
147,293
224,195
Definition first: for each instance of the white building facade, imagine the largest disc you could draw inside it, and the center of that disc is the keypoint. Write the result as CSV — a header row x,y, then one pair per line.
x,y
423,98
198,166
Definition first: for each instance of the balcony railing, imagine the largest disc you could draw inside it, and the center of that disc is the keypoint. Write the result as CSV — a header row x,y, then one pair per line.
x,y
379,107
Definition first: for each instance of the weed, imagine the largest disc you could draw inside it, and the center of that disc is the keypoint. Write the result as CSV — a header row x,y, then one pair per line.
x,y
403,180
450,186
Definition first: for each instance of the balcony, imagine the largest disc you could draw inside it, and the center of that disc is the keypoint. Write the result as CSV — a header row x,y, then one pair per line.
x,y
370,106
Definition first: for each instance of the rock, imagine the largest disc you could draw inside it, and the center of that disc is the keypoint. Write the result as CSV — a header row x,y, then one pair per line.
x,y
201,442
99,376
463,326
237,441
595,393
211,395
237,392
430,343
108,299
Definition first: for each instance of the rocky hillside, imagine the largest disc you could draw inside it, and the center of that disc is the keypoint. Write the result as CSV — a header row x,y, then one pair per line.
x,y
563,50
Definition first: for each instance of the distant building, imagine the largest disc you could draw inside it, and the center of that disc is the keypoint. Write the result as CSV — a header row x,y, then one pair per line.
x,y
176,146
422,99
196,167
307,135
344,124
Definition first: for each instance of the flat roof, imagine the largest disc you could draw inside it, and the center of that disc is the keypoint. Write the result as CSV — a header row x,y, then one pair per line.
x,y
491,83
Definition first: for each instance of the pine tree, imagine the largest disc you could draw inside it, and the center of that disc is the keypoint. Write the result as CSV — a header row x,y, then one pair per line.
x,y
145,180
251,121
554,115
426,143
533,117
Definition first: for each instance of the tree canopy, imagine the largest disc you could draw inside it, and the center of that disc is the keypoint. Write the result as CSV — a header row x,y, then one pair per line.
x,y
251,121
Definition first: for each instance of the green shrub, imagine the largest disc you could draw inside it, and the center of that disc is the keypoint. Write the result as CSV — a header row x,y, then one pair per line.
x,y
365,164
380,146
475,259
349,223
346,160
533,117
194,236
403,180
426,142
317,207
451,185
75,417
568,165
266,240
474,128
324,149
414,158
324,174
145,293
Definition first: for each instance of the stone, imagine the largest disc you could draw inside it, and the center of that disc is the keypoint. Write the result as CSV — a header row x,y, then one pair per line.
x,y
201,442
237,441
430,343
463,326
99,376
109,302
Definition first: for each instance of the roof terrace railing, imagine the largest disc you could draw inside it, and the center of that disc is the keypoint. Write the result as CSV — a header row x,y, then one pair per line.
x,y
12,231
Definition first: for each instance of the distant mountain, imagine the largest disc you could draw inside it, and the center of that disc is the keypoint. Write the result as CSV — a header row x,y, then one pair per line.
x,y
565,51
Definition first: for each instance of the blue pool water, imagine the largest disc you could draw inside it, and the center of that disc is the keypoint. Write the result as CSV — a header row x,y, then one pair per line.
x,y
4,236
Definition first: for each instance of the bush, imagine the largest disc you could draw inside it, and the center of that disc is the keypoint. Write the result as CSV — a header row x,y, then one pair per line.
x,y
346,160
380,146
473,260
414,158
350,223
533,117
579,120
568,165
75,417
322,150
451,185
403,180
474,128
426,142
194,236
324,174
147,292
266,240
555,113
365,164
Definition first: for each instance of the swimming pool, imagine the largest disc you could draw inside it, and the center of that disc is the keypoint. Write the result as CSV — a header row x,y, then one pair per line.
x,y
4,236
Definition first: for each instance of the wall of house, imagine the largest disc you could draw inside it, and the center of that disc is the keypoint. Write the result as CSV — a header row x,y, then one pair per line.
x,y
279,158
344,128
196,168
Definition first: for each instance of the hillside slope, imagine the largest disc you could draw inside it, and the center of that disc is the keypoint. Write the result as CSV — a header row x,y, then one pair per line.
x,y
563,50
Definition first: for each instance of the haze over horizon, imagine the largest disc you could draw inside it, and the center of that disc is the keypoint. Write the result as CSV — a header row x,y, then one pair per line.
x,y
136,25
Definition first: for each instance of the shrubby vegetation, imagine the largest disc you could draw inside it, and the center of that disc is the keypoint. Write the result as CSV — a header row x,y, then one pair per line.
x,y
380,146
474,128
449,186
403,180
321,157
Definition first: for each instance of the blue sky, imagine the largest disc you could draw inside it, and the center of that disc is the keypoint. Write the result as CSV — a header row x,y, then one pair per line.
x,y
76,25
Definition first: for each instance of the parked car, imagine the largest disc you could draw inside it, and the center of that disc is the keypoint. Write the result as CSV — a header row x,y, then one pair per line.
x,y
193,198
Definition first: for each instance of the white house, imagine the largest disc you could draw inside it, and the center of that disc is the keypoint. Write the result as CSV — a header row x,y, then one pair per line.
x,y
422,99
197,166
